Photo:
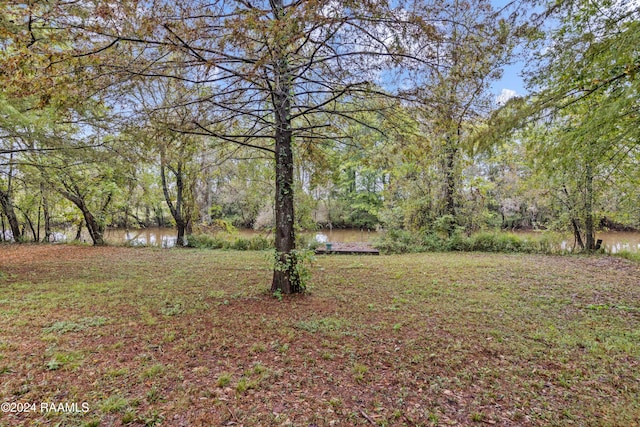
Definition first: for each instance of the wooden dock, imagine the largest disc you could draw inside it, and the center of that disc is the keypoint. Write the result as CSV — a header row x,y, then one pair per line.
x,y
354,248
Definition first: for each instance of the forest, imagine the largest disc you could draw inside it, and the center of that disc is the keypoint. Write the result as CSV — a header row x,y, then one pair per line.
x,y
318,114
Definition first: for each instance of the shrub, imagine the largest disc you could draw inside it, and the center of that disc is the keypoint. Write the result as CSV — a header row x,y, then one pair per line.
x,y
259,243
458,242
397,241
240,244
549,243
402,241
483,242
446,224
203,241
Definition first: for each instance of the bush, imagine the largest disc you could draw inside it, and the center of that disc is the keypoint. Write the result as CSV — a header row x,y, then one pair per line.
x,y
402,241
549,243
432,242
259,243
458,242
204,241
502,242
398,242
240,244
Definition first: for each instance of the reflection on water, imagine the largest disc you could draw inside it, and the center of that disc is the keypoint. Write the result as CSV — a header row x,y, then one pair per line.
x,y
612,241
337,236
152,236
166,237
161,237
618,241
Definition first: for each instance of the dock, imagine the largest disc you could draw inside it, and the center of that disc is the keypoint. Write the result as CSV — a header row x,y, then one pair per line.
x,y
354,248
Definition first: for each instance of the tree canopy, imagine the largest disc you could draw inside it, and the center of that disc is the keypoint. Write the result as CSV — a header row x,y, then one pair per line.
x,y
300,114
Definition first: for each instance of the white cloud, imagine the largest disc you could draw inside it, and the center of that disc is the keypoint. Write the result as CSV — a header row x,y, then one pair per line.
x,y
505,96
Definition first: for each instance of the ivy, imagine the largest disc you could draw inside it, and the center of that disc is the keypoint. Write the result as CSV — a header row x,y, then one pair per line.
x,y
298,264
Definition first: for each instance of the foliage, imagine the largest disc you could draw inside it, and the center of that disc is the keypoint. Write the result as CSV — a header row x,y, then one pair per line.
x,y
397,241
400,241
299,261
382,114
586,109
205,241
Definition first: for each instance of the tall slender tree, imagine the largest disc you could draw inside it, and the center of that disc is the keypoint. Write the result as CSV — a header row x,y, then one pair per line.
x,y
476,43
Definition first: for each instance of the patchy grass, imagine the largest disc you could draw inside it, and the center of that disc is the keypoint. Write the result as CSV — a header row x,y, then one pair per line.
x,y
633,256
189,337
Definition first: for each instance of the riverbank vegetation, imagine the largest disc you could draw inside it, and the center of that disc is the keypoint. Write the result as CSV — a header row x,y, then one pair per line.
x,y
189,337
399,241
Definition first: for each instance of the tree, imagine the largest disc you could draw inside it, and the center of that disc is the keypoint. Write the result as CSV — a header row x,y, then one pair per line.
x,y
581,119
589,93
39,98
471,54
9,212
270,66
25,132
91,179
156,115
6,189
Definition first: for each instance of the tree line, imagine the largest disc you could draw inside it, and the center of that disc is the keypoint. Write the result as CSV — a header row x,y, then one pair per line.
x,y
316,113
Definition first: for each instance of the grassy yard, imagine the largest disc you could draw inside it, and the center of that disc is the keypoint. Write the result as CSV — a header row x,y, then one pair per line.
x,y
192,338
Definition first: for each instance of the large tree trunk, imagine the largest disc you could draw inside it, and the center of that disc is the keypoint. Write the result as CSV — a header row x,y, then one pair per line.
x,y
7,204
576,233
285,275
180,240
34,233
285,278
588,208
96,231
449,165
175,209
10,213
570,205
78,232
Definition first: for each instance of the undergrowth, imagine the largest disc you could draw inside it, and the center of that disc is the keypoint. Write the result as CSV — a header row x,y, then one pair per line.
x,y
402,241
255,243
204,241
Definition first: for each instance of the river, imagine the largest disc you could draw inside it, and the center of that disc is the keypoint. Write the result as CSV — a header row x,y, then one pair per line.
x,y
613,241
166,237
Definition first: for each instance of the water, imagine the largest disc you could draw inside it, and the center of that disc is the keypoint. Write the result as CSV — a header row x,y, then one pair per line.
x,y
612,241
155,236
166,237
336,235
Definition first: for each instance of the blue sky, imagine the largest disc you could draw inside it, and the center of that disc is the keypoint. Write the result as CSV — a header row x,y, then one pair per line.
x,y
511,79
